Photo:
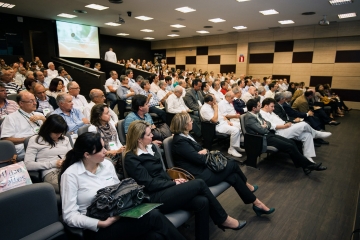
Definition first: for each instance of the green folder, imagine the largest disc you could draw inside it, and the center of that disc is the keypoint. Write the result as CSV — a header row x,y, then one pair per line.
x,y
140,210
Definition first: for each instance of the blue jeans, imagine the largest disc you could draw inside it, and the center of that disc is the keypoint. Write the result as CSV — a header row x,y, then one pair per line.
x,y
112,98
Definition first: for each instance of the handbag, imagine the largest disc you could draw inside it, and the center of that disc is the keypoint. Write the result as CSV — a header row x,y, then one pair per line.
x,y
113,200
176,173
13,176
161,132
216,161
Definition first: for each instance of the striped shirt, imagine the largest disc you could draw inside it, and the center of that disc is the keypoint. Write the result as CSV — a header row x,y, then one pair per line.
x,y
11,87
9,107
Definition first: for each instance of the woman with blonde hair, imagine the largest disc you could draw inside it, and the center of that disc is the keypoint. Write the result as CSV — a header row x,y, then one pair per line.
x,y
191,156
143,163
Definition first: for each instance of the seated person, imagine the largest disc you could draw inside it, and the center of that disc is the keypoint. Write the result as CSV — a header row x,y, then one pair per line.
x,y
45,104
85,171
153,100
205,89
124,92
56,87
139,111
163,93
111,85
300,131
47,149
101,119
191,156
224,87
23,123
320,96
96,97
78,100
154,86
73,117
238,103
143,164
40,78
6,106
136,86
210,112
175,104
7,79
301,104
256,124
193,97
250,94
29,85
215,90
169,83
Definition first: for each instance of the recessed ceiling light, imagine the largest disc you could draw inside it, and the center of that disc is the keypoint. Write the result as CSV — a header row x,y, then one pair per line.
x,y
144,18
173,35
65,15
122,34
239,27
6,5
177,26
96,7
185,9
346,15
340,2
286,22
149,38
202,31
147,30
217,20
269,12
113,24
242,0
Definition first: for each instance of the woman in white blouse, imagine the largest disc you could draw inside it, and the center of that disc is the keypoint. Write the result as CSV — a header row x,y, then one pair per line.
x,y
46,150
56,86
83,173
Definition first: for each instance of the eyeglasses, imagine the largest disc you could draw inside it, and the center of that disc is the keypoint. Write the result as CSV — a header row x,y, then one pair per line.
x,y
102,96
75,88
30,101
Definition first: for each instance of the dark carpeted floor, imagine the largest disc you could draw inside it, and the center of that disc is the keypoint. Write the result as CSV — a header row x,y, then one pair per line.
x,y
319,206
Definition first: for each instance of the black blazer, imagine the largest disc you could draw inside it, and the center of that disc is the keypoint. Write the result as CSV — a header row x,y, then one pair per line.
x,y
293,113
147,170
239,106
253,126
185,155
191,101
282,114
52,102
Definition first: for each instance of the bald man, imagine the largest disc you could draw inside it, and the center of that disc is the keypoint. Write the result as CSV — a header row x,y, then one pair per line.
x,y
23,123
250,94
97,96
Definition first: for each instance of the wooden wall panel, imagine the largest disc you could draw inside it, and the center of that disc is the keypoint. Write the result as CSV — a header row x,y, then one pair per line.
x,y
301,69
282,68
348,43
322,69
170,52
304,32
283,57
264,69
351,28
346,82
228,59
304,45
347,69
180,60
201,60
262,47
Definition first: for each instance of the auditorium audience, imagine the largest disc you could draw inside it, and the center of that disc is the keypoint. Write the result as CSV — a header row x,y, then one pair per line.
x,y
111,85
45,104
193,98
272,89
46,150
6,106
6,78
256,124
20,76
97,97
125,92
215,90
163,93
73,116
153,101
56,86
238,103
78,100
63,75
154,79
320,96
136,86
129,73
80,173
250,94
22,123
51,71
40,78
142,162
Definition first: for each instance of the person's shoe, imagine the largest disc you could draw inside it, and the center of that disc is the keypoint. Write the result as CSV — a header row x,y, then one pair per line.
x,y
260,211
256,187
233,152
334,123
317,144
348,109
242,224
319,134
321,141
313,167
239,149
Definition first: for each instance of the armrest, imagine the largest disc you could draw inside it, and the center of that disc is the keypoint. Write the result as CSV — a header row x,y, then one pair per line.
x,y
253,143
208,133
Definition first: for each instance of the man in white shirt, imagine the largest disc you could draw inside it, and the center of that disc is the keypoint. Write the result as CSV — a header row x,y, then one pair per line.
x,y
154,86
111,85
210,112
52,73
62,76
272,88
40,78
163,93
300,131
182,84
96,97
97,66
261,93
23,123
20,76
250,94
169,85
110,56
215,90
78,100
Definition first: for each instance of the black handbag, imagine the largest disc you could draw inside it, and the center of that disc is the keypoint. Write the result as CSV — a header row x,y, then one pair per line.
x,y
113,200
216,161
161,132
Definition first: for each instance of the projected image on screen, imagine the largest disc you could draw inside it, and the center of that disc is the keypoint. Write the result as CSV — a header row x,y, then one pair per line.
x,y
77,40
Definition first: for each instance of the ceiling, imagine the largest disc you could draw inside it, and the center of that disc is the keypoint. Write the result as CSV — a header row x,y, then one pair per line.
x,y
164,14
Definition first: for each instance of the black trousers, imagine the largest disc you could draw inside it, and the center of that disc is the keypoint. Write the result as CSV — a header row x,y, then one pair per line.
x,y
193,196
321,114
153,225
161,113
233,175
288,146
315,123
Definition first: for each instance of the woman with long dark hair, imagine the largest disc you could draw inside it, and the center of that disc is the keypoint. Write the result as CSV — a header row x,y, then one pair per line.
x,y
46,150
84,171
56,87
320,96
